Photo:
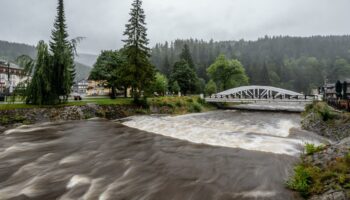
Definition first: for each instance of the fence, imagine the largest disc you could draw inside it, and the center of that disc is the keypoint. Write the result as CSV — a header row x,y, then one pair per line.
x,y
340,104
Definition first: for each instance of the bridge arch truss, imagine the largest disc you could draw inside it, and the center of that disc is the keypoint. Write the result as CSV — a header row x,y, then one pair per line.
x,y
258,93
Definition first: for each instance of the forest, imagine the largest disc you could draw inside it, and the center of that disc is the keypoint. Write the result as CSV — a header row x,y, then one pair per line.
x,y
296,63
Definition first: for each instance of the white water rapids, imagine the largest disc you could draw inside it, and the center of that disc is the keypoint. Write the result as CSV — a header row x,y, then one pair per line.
x,y
259,131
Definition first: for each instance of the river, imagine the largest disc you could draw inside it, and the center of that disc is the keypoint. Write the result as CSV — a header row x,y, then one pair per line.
x,y
215,155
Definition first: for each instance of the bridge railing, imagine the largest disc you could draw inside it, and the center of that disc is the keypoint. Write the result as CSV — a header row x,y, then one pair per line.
x,y
229,98
340,104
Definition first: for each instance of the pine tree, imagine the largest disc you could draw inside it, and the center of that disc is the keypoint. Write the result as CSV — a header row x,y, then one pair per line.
x,y
62,56
186,55
166,66
136,50
264,76
345,90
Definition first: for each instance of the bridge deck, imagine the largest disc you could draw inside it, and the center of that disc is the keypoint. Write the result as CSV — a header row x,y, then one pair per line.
x,y
237,100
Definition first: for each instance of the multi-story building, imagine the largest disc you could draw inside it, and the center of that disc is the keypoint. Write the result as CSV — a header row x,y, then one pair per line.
x,y
10,76
330,90
81,87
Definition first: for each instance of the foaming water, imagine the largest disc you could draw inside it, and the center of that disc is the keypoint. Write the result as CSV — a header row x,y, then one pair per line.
x,y
267,132
103,160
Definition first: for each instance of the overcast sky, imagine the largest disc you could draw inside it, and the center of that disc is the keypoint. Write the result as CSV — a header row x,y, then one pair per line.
x,y
102,21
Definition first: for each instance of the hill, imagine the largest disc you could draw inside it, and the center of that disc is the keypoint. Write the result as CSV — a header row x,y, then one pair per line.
x,y
295,63
86,59
11,51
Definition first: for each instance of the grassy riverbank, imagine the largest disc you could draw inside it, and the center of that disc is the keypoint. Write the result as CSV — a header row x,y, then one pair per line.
x,y
326,121
324,171
16,114
97,101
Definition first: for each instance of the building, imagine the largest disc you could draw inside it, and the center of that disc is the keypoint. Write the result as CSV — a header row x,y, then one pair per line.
x,y
97,88
330,90
81,87
10,76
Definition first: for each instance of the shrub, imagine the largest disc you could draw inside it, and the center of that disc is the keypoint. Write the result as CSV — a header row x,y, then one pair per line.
x,y
324,111
142,102
179,103
196,107
311,148
4,120
190,100
347,158
200,100
300,181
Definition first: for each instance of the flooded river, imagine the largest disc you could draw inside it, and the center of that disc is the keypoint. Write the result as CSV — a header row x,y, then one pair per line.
x,y
216,155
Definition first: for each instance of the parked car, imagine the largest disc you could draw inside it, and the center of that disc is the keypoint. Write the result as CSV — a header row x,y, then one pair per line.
x,y
77,97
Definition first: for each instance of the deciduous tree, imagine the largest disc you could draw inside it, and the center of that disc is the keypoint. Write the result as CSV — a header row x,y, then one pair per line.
x,y
111,66
227,73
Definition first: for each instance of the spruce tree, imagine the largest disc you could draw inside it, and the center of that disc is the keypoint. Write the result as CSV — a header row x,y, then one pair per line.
x,y
345,90
264,76
166,66
186,55
62,56
136,50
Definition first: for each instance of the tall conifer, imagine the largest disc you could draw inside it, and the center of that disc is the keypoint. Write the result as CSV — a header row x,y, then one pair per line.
x,y
62,55
186,55
136,50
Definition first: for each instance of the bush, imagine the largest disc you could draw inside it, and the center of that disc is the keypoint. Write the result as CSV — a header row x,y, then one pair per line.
x,y
142,102
190,100
347,158
300,181
201,101
179,103
311,148
196,107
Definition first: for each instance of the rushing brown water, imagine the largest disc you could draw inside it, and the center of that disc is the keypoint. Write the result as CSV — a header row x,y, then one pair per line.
x,y
103,160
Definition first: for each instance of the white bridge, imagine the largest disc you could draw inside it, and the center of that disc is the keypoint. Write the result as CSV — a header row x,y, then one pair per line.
x,y
260,94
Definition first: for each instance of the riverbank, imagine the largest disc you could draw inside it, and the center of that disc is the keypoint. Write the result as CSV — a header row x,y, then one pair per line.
x,y
326,121
12,115
324,172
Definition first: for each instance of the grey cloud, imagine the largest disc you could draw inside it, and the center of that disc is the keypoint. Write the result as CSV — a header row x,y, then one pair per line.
x,y
102,21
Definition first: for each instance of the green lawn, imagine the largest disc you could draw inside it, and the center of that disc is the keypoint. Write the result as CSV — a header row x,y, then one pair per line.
x,y
98,101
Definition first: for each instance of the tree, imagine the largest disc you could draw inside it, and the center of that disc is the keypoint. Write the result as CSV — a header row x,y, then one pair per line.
x,y
137,52
166,66
39,88
53,71
227,73
175,87
159,85
264,76
200,86
111,67
186,55
62,56
345,90
339,70
338,88
185,76
210,88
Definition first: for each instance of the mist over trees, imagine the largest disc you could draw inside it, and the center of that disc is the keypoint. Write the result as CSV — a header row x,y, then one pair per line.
x,y
296,63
